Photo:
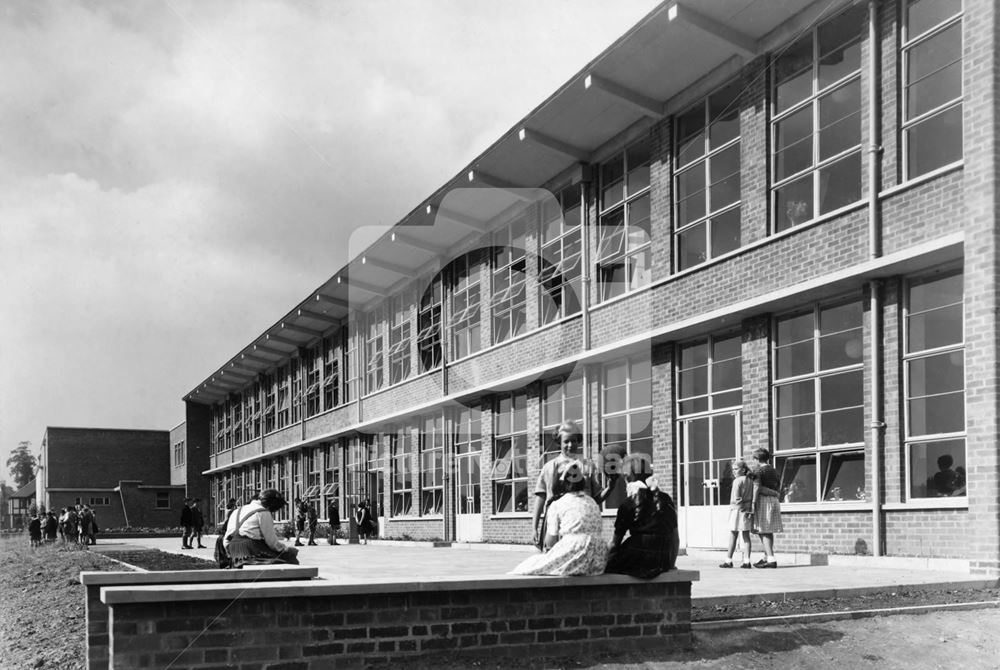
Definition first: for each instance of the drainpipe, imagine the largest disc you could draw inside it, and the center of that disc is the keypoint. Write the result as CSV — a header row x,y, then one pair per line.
x,y
585,263
875,294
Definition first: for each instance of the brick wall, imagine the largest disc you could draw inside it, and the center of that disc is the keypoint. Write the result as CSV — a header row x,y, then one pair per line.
x,y
820,532
99,457
940,533
536,617
97,613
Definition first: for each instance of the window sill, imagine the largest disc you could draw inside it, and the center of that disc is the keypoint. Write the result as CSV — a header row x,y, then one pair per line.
x,y
928,503
429,517
831,506
511,515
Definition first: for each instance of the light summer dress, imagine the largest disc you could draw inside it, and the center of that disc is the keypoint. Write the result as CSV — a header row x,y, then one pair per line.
x,y
576,520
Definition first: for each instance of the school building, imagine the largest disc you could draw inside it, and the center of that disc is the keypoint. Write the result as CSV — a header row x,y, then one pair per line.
x,y
745,224
123,475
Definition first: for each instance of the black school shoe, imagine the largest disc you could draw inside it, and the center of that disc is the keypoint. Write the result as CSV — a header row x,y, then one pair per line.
x,y
727,564
746,565
766,565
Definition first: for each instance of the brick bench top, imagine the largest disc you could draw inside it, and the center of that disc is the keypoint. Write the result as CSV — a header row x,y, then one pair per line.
x,y
247,574
112,595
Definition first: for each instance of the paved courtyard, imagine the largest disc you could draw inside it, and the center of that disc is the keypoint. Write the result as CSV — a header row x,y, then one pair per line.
x,y
394,561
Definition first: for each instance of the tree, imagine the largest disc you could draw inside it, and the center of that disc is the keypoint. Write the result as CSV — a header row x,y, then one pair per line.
x,y
22,464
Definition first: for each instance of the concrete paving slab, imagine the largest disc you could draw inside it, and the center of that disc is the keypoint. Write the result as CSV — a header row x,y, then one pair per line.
x,y
795,576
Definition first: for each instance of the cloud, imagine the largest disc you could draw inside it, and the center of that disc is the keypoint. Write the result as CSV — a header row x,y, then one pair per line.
x,y
178,174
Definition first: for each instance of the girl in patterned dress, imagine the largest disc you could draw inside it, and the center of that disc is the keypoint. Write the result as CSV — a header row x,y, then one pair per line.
x,y
572,532
766,508
740,514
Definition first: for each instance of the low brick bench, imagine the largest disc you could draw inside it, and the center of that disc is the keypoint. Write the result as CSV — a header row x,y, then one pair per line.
x,y
97,611
325,624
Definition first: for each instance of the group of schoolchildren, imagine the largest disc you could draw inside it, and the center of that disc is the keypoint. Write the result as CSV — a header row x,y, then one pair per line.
x,y
74,524
754,508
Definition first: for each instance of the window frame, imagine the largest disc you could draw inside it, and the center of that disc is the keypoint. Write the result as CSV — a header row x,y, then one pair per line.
x,y
514,472
465,323
432,444
400,332
704,161
313,376
910,440
711,365
626,253
430,308
629,412
907,44
548,446
509,266
401,454
179,454
812,102
331,374
560,268
820,451
375,322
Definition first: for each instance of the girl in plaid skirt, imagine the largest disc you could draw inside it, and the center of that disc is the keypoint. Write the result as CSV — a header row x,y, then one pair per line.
x,y
766,508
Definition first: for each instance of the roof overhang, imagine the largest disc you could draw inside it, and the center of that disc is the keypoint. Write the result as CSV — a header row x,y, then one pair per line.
x,y
679,51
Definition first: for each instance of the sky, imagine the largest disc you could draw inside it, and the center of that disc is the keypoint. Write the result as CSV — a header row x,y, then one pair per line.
x,y
175,175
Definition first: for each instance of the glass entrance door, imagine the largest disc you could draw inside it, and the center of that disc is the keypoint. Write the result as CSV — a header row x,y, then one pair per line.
x,y
468,489
708,446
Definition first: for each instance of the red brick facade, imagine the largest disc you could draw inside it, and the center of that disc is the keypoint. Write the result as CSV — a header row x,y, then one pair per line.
x,y
945,219
123,475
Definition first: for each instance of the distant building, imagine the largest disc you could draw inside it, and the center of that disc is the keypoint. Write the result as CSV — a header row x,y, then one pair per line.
x,y
18,505
125,476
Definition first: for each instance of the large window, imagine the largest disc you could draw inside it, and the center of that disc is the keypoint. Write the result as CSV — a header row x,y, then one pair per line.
x,y
559,269
624,260
509,296
709,375
374,343
251,411
331,374
179,454
297,370
313,472
312,363
819,404
707,188
934,369
284,398
331,477
932,85
402,472
432,466
510,453
270,403
429,325
562,400
465,308
350,366
237,409
399,338
627,413
816,131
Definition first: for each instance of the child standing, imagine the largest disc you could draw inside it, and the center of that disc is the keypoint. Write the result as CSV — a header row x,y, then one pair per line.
x,y
35,531
766,508
740,514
